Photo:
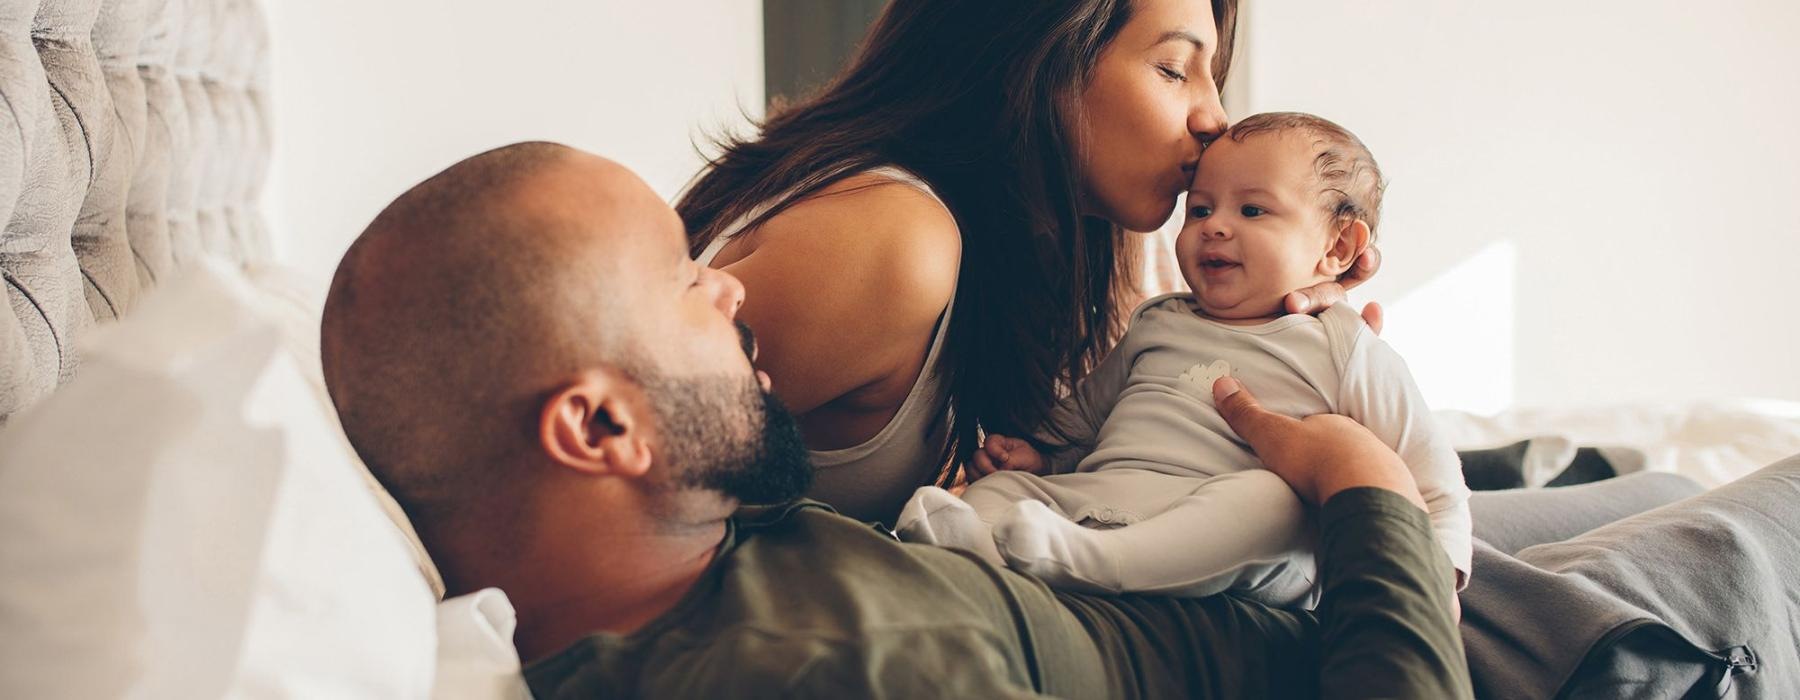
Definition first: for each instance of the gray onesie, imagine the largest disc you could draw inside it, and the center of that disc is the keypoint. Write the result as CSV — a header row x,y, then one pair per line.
x,y
1172,500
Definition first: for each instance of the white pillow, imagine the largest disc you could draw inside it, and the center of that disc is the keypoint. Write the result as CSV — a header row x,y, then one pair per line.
x,y
476,657
181,521
291,302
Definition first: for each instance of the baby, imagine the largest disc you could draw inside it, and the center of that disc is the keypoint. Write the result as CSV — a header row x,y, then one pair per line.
x,y
1141,486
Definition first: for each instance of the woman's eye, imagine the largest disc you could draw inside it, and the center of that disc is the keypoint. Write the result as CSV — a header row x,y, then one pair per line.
x,y
1252,211
1200,212
1172,74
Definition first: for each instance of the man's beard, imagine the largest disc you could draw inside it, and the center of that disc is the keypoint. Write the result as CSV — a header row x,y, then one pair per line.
x,y
726,434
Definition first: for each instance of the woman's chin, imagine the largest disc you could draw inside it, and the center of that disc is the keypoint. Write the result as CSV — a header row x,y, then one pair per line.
x,y
1143,218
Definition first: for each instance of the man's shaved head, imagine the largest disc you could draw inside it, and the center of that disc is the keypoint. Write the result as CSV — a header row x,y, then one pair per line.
x,y
463,315
475,293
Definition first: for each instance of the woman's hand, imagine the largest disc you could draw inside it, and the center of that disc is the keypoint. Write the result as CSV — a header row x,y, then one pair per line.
x,y
1000,453
1317,297
1319,455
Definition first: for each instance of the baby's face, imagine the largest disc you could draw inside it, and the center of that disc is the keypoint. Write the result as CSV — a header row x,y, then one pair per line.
x,y
1255,228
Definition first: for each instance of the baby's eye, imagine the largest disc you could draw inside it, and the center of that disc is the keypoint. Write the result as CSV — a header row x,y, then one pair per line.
x,y
1252,211
1200,212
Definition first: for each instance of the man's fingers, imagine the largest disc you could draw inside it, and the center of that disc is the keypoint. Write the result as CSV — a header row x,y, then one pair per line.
x,y
1365,267
1372,315
1314,299
1297,303
1245,416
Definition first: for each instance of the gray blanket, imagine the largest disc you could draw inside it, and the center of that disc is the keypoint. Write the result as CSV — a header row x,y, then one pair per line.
x,y
1700,598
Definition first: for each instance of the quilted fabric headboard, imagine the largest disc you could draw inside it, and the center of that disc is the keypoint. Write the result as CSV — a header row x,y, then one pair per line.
x,y
134,140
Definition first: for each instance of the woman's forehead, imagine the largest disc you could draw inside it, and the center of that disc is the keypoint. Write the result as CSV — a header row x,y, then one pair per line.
x,y
1156,21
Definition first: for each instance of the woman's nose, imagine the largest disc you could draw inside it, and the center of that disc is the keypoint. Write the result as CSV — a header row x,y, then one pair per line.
x,y
1207,120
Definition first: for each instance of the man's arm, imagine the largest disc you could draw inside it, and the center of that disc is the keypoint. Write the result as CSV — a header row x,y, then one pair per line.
x,y
1384,627
1385,624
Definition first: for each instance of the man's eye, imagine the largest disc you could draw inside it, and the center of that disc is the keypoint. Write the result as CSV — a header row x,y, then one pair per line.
x,y
1252,211
1201,212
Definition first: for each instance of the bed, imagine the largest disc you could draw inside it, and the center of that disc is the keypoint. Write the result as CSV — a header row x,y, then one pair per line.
x,y
179,513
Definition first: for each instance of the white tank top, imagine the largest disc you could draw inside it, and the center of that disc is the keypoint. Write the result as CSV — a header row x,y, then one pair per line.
x,y
872,480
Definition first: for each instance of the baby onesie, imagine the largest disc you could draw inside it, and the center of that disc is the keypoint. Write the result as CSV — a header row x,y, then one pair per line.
x,y
1155,493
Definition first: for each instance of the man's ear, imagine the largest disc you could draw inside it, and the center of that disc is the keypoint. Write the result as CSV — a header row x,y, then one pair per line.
x,y
1346,245
596,425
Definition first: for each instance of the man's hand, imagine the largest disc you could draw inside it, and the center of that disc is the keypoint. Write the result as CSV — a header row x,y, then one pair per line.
x,y
1318,455
1000,452
1320,296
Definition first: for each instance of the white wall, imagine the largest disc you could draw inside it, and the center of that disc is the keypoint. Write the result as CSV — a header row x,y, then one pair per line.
x,y
371,97
1591,202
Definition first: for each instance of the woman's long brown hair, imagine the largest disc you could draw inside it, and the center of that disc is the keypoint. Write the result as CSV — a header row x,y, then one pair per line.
x,y
975,97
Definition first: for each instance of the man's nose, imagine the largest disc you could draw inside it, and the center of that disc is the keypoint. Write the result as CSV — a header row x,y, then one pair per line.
x,y
729,291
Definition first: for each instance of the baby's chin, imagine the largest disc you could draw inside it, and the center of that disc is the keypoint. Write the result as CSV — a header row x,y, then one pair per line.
x,y
1239,310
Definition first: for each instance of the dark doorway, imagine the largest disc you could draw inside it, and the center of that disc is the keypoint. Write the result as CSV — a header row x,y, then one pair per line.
x,y
805,42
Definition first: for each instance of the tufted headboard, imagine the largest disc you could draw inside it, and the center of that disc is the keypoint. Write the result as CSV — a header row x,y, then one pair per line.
x,y
134,140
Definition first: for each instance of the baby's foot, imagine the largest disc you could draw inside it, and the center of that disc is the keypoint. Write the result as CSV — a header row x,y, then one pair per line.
x,y
935,516
1034,539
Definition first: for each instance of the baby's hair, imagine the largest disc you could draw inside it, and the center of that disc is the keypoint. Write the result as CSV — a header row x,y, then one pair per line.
x,y
1349,178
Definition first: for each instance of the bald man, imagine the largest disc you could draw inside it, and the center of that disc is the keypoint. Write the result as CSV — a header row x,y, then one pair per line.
x,y
563,402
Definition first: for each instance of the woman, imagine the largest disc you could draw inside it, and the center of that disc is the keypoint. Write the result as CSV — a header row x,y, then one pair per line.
x,y
938,239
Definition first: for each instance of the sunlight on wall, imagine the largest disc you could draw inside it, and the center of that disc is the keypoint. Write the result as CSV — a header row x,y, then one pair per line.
x,y
1630,150
1456,332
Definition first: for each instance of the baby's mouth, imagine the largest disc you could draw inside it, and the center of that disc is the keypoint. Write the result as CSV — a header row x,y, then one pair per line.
x,y
1214,262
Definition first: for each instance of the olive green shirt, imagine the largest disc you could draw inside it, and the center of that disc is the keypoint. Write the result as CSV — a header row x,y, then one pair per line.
x,y
801,602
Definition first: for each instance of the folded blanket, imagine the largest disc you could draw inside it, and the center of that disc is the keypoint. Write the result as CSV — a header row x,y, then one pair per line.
x,y
1700,596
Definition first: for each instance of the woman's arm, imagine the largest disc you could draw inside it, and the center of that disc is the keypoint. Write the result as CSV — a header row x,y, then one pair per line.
x,y
844,289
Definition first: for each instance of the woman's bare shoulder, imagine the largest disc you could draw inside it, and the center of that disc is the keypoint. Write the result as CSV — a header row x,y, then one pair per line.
x,y
889,239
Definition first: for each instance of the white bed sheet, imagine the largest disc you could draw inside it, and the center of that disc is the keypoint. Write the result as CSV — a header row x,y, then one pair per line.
x,y
1712,442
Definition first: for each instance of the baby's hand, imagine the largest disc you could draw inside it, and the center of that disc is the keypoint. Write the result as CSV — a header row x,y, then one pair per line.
x,y
1005,453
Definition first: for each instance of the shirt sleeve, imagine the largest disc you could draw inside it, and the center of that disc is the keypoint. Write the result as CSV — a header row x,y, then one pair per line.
x,y
1385,628
1378,392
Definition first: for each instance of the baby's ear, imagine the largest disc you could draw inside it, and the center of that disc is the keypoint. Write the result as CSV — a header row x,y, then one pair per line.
x,y
1346,244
